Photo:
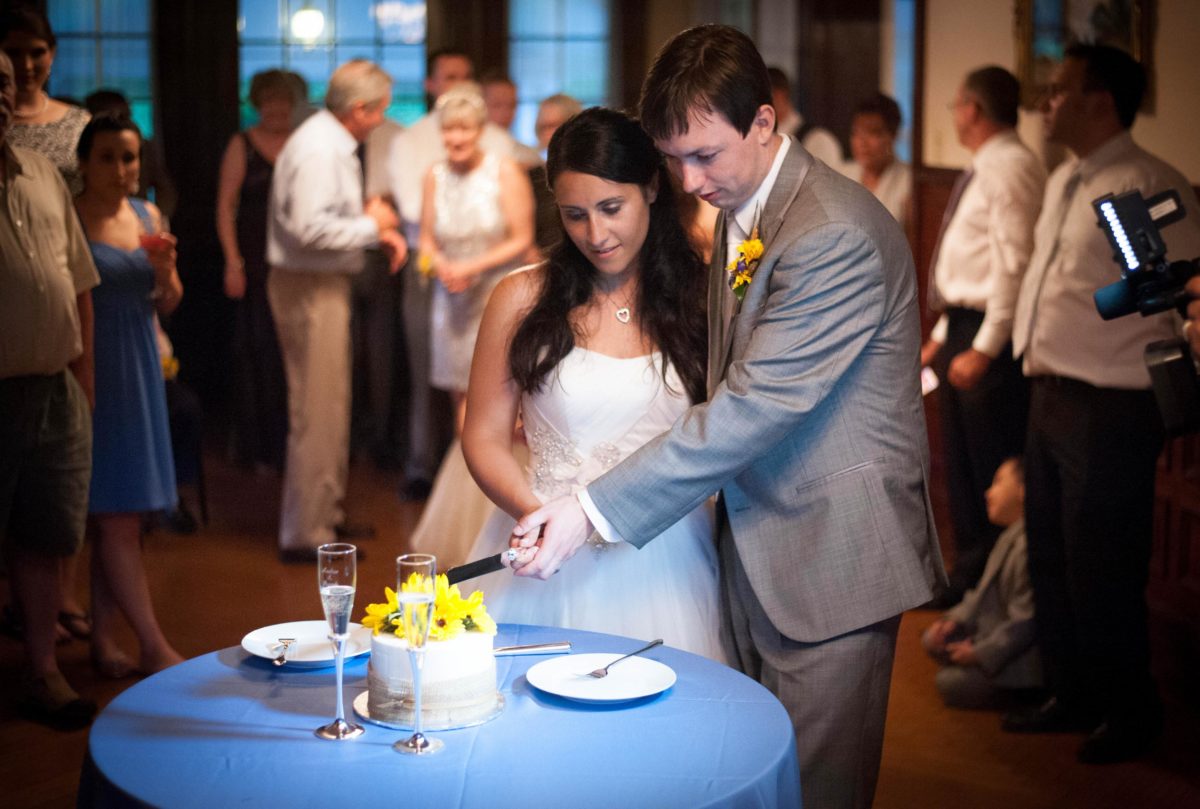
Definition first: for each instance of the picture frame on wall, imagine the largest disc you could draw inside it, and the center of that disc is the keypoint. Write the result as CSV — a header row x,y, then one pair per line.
x,y
1044,28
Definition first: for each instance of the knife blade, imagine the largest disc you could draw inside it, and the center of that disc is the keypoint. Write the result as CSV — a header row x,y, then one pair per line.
x,y
480,567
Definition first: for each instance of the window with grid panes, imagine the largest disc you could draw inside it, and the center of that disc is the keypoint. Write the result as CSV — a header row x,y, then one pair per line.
x,y
104,43
557,46
390,33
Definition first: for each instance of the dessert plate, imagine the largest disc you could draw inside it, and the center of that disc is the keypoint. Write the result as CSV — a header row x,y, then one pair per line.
x,y
312,649
568,677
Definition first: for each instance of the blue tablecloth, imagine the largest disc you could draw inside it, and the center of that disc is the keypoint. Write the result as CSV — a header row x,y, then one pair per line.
x,y
230,729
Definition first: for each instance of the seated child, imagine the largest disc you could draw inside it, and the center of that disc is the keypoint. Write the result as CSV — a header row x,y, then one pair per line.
x,y
986,642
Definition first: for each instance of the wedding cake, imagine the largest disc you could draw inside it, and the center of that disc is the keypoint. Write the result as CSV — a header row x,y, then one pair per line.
x,y
458,676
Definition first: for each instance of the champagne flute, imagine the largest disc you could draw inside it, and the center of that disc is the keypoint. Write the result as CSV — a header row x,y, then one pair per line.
x,y
337,573
416,588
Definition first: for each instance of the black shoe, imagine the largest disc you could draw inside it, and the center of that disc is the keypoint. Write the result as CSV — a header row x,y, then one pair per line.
x,y
181,520
1111,743
52,702
1052,716
307,556
350,530
415,490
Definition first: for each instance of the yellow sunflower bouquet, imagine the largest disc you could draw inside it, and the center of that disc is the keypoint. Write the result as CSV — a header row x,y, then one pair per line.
x,y
452,614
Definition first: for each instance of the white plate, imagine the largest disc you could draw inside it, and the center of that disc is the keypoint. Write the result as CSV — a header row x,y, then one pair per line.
x,y
312,648
568,677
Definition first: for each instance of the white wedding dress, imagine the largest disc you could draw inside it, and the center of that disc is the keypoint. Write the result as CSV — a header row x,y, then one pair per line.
x,y
594,411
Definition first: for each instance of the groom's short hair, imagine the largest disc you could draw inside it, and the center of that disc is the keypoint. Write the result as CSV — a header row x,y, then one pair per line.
x,y
706,69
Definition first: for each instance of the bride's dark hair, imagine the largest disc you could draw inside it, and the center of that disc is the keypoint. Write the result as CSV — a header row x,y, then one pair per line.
x,y
671,289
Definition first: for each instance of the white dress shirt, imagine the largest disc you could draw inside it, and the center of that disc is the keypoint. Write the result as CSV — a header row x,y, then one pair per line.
x,y
1057,327
418,149
894,189
985,249
738,225
818,141
316,221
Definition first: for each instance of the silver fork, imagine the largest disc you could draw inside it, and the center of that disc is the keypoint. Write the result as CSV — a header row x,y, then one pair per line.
x,y
603,672
281,658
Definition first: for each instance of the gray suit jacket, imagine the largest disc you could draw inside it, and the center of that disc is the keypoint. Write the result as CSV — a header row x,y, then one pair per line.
x,y
998,614
814,431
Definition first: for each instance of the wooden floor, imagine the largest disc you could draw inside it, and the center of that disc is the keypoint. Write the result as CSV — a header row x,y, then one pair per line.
x,y
212,587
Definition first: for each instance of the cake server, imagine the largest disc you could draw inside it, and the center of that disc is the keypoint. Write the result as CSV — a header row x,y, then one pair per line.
x,y
553,647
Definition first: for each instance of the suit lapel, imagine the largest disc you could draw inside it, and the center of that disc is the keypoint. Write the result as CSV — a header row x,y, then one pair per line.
x,y
718,291
787,186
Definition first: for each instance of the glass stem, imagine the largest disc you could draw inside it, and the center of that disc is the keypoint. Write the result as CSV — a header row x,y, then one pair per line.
x,y
417,659
339,658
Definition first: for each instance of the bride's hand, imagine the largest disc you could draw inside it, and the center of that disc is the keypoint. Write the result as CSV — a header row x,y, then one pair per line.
x,y
516,557
564,527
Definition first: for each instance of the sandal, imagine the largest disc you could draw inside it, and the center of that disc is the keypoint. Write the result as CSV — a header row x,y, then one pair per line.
x,y
79,624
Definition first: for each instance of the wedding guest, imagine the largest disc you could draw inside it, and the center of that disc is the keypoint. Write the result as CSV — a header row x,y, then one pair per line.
x,y
553,112
46,384
476,223
243,190
476,227
812,432
981,256
598,350
380,368
51,128
318,227
1190,329
818,141
40,123
154,181
500,96
133,472
1094,429
986,643
873,131
421,146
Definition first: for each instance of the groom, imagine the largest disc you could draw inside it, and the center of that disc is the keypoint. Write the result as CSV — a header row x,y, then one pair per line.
x,y
813,432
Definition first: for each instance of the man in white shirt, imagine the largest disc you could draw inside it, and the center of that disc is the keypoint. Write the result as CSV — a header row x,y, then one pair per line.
x,y
982,254
412,156
317,229
817,141
813,432
1094,430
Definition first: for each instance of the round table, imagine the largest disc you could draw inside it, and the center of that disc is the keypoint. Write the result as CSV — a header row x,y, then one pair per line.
x,y
230,729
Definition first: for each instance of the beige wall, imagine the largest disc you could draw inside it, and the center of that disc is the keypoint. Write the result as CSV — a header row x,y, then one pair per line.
x,y
963,34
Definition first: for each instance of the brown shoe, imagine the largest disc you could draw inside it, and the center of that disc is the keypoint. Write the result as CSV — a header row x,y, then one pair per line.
x,y
50,700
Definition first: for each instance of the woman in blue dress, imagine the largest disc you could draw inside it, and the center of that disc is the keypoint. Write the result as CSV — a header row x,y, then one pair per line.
x,y
132,468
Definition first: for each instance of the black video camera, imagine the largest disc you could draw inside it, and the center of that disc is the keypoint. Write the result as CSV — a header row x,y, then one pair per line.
x,y
1151,284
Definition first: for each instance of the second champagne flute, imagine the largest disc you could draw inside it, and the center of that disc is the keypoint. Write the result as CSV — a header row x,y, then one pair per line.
x,y
337,576
416,589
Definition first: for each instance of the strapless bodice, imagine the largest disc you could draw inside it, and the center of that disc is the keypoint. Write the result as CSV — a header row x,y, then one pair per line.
x,y
593,412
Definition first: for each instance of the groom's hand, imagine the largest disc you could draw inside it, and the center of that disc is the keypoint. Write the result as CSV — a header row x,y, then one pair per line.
x,y
564,528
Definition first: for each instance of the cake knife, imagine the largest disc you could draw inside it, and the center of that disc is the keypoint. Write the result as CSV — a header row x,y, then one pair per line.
x,y
480,567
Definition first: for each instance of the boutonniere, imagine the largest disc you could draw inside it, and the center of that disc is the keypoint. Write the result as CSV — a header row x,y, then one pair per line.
x,y
741,270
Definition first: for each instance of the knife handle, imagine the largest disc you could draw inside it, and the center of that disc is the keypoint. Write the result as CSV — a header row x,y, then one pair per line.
x,y
470,570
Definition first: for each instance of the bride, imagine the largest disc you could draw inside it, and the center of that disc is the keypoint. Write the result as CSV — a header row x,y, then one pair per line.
x,y
596,351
